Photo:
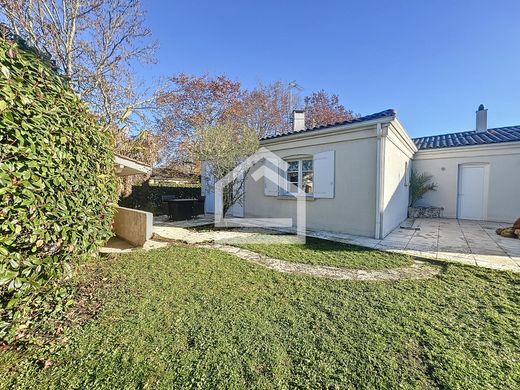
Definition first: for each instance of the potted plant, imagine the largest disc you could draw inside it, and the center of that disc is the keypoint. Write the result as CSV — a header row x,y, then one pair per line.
x,y
420,184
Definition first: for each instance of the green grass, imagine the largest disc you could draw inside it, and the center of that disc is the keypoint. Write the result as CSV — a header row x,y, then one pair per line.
x,y
183,317
323,252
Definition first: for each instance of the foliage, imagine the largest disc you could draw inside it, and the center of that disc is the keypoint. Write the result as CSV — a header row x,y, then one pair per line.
x,y
267,108
144,147
95,44
420,185
57,184
323,109
148,198
190,103
185,317
222,148
336,254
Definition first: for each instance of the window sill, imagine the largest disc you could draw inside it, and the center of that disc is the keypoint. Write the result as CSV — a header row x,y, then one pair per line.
x,y
296,197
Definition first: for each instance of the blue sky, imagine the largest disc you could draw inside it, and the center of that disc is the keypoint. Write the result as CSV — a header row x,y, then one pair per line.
x,y
433,61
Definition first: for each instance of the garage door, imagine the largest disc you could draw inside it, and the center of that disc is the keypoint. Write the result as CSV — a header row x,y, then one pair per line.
x,y
471,193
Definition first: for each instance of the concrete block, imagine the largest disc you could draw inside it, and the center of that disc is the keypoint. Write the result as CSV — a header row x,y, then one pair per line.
x,y
134,226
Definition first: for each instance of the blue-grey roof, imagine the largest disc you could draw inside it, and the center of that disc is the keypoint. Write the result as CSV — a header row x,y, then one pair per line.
x,y
469,138
378,115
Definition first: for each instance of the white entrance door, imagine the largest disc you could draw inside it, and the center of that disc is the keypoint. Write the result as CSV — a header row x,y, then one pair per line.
x,y
209,202
238,210
472,183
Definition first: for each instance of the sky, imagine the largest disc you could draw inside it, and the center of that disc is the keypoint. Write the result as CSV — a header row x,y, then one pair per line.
x,y
432,61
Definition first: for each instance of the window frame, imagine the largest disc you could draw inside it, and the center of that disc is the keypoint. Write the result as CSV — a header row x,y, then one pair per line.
x,y
299,184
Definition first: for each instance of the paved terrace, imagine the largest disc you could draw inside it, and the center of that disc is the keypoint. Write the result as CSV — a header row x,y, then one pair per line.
x,y
461,241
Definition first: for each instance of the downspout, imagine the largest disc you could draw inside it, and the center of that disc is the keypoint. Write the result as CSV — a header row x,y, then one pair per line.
x,y
380,180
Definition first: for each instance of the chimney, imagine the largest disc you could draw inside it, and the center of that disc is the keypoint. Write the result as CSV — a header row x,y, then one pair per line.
x,y
481,119
298,120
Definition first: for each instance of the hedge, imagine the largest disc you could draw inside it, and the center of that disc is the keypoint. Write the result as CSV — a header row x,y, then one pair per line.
x,y
148,198
57,181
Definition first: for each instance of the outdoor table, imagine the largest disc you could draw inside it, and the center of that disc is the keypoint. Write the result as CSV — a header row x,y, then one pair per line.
x,y
183,209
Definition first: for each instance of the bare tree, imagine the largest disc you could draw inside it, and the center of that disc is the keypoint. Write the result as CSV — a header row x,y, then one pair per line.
x,y
222,147
92,42
189,103
324,109
267,108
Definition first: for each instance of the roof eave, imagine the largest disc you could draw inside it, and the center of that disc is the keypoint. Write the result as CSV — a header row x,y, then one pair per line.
x,y
126,166
327,131
472,147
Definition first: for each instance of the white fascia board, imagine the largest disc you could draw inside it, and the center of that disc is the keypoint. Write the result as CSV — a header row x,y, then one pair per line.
x,y
403,136
126,167
329,131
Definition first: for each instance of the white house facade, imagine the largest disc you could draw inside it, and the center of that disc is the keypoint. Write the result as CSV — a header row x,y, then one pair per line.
x,y
356,174
477,172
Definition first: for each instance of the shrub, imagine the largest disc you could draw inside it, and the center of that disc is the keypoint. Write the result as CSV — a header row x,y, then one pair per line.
x,y
149,198
419,186
57,183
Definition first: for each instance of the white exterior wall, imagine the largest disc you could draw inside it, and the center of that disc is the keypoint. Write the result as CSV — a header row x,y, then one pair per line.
x,y
207,184
503,162
398,151
352,210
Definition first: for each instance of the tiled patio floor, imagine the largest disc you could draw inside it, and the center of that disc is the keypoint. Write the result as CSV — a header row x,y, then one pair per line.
x,y
462,241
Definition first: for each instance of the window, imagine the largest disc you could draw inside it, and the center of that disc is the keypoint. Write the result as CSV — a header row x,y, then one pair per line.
x,y
300,174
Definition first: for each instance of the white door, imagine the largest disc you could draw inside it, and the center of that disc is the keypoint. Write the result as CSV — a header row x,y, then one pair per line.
x,y
209,202
238,209
208,188
472,183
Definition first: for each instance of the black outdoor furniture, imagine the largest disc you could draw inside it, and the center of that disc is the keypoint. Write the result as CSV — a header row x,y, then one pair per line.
x,y
183,209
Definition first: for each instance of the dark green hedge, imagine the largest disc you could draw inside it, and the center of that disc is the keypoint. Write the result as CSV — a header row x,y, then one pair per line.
x,y
57,183
148,198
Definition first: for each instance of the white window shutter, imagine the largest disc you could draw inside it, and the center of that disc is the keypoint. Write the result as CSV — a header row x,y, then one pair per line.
x,y
270,187
324,172
282,181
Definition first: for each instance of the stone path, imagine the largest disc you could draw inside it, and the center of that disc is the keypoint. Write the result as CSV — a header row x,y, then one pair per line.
x,y
197,237
418,270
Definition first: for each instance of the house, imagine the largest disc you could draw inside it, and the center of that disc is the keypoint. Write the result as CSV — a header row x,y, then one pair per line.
x,y
356,174
478,172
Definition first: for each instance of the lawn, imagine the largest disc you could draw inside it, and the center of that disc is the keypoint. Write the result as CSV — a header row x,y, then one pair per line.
x,y
322,252
185,317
